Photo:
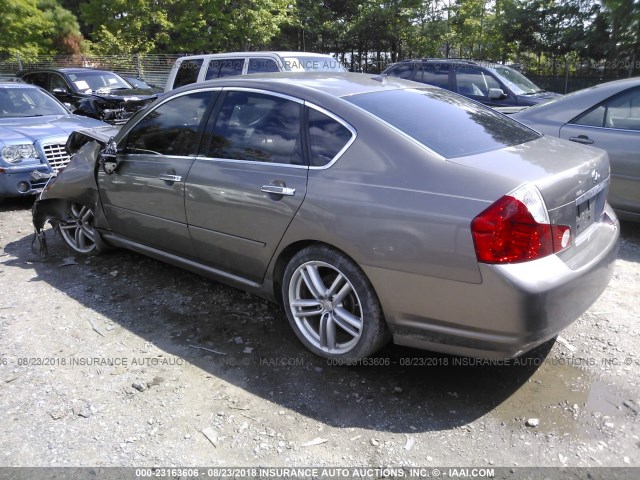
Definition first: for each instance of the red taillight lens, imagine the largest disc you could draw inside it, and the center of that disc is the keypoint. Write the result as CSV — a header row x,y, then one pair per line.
x,y
507,232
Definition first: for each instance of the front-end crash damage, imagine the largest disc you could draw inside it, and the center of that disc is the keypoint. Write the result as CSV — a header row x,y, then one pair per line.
x,y
114,109
70,199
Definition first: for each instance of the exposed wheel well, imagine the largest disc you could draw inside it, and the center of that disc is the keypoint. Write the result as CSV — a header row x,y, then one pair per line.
x,y
287,254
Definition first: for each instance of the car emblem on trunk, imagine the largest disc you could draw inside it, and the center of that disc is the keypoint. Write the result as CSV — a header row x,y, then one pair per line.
x,y
595,176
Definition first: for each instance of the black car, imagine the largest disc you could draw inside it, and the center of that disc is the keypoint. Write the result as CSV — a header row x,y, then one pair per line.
x,y
140,83
94,93
489,83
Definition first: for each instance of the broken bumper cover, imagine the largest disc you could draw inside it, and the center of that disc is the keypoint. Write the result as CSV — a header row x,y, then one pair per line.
x,y
18,183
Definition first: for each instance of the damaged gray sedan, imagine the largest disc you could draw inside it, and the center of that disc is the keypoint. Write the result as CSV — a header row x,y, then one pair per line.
x,y
370,208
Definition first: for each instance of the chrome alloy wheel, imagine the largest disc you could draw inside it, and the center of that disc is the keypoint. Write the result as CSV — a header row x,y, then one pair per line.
x,y
77,229
325,307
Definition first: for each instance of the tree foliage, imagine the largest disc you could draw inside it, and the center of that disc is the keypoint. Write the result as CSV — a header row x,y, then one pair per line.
x,y
127,26
365,33
24,29
65,36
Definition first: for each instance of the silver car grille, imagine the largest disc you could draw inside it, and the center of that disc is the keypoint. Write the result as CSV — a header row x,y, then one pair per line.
x,y
57,156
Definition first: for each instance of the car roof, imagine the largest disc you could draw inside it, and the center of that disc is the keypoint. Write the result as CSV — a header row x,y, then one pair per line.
x,y
64,70
280,53
17,85
567,107
460,61
310,84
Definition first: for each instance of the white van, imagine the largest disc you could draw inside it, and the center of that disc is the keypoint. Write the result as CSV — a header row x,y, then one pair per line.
x,y
198,68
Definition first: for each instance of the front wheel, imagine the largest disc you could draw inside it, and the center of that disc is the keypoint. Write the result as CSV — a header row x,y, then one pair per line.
x,y
331,305
77,229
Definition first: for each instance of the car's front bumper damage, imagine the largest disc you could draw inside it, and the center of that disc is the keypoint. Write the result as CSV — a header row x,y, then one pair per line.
x,y
75,184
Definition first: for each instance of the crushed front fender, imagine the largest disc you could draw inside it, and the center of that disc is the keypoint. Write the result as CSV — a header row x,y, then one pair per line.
x,y
76,183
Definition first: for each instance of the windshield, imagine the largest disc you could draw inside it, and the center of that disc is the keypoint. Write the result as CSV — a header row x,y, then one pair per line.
x,y
98,81
448,124
28,102
518,83
136,82
313,64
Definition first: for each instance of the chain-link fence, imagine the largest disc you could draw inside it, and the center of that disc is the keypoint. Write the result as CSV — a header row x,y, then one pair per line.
x,y
153,69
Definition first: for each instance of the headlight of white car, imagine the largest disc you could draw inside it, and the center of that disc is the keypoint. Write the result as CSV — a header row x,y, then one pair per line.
x,y
17,153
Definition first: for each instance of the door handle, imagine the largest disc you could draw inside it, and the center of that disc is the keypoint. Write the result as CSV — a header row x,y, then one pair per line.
x,y
581,139
170,178
278,190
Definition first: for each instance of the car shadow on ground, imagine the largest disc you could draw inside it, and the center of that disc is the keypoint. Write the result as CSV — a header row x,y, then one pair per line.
x,y
629,240
399,390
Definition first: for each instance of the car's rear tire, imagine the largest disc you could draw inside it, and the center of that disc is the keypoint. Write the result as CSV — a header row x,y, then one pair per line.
x,y
331,305
77,230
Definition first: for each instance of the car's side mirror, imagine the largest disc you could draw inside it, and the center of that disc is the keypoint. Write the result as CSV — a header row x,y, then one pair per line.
x,y
60,91
496,94
109,157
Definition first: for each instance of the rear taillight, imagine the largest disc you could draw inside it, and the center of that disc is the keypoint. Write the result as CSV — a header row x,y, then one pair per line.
x,y
516,228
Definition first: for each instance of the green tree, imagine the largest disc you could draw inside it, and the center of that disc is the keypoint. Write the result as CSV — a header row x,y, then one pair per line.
x,y
24,29
253,23
624,31
127,26
66,37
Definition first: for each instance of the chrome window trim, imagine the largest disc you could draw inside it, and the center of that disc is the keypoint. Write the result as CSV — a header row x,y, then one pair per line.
x,y
299,101
264,92
602,128
250,162
342,122
158,155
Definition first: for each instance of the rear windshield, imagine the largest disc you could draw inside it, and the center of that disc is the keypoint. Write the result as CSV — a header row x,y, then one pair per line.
x,y
448,124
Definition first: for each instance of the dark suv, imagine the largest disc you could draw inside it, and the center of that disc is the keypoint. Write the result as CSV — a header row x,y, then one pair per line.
x,y
94,93
489,83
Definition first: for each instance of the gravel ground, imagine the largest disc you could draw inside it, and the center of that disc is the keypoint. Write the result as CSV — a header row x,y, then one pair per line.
x,y
119,360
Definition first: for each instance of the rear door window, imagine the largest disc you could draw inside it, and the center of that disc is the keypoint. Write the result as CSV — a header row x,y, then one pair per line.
x,y
257,127
262,65
436,74
621,111
404,70
224,67
187,72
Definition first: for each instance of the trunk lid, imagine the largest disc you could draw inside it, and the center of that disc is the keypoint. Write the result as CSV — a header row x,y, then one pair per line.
x,y
573,179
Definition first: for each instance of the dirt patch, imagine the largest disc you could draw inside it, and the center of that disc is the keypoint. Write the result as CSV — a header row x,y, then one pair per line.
x,y
119,360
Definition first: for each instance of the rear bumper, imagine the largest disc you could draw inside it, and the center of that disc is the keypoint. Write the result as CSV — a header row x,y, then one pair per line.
x,y
515,308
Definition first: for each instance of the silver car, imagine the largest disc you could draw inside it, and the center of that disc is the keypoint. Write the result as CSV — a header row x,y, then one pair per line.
x,y
34,128
371,209
605,116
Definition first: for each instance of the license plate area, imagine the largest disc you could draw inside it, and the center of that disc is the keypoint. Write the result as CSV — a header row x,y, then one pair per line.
x,y
589,207
585,215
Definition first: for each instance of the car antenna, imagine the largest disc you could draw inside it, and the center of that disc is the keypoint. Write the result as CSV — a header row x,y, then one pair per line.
x,y
381,77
